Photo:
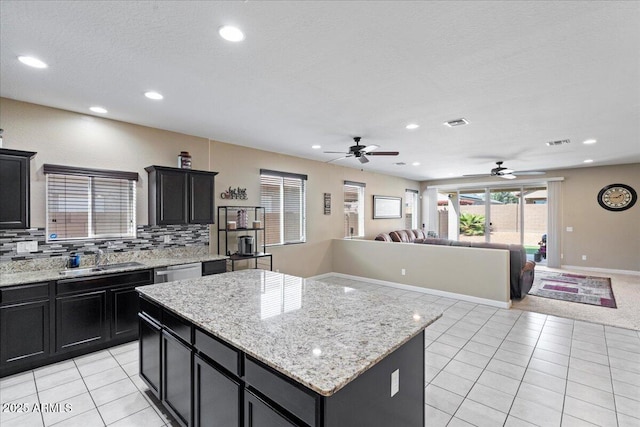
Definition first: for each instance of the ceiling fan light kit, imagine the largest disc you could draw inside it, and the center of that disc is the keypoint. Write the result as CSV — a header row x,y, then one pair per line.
x,y
361,152
504,172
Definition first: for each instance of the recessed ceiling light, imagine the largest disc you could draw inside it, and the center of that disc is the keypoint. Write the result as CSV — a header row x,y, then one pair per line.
x,y
98,110
316,147
153,95
415,164
589,141
32,62
588,161
412,126
230,33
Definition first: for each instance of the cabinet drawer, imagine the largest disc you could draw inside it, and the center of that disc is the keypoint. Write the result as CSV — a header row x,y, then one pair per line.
x,y
11,294
218,351
291,397
214,267
179,327
152,310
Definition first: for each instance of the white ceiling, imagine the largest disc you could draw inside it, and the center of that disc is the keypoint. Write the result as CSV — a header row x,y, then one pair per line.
x,y
310,72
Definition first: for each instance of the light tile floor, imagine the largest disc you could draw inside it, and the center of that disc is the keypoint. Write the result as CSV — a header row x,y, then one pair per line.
x,y
484,367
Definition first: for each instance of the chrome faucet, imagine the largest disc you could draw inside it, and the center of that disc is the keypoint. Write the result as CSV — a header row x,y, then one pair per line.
x,y
99,256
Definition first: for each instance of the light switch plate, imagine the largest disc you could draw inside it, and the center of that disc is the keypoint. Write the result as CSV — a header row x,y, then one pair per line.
x,y
395,382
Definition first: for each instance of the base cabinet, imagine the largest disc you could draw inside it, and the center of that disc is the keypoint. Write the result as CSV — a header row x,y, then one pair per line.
x,y
215,396
25,325
81,320
258,413
124,322
150,354
176,377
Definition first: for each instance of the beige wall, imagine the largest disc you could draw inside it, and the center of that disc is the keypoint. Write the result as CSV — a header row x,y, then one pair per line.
x,y
475,272
610,240
67,138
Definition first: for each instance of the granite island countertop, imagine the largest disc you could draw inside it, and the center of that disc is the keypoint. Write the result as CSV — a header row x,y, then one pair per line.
x,y
30,274
319,334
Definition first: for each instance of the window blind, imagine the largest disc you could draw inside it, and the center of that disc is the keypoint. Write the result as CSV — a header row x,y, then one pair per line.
x,y
411,209
85,207
353,209
284,198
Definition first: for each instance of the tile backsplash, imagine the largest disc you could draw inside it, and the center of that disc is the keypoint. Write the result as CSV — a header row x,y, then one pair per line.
x,y
148,238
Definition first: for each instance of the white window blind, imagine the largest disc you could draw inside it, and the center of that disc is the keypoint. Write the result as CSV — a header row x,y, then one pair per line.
x,y
283,196
411,209
82,205
354,209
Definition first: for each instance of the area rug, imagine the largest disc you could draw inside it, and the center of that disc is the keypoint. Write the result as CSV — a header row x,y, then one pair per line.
x,y
575,288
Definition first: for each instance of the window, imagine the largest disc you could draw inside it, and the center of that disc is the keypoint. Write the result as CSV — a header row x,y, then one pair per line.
x,y
411,209
88,203
354,209
283,196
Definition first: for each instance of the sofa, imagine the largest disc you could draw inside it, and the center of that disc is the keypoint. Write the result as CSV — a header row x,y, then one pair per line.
x,y
521,271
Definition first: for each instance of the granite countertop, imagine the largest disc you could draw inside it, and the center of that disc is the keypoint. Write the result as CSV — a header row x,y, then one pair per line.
x,y
28,273
319,334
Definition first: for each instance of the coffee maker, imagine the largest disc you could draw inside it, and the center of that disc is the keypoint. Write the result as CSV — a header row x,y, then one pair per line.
x,y
245,245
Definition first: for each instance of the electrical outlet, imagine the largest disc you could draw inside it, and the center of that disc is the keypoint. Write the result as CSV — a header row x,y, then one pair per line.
x,y
167,238
395,382
584,257
24,247
569,229
403,271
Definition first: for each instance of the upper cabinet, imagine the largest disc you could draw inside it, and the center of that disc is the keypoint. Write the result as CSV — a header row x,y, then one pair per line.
x,y
180,196
14,188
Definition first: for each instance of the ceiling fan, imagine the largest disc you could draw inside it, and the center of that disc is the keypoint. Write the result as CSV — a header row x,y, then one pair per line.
x,y
361,152
506,173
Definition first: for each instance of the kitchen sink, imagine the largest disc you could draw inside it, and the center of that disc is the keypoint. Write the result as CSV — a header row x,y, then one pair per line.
x,y
89,270
120,265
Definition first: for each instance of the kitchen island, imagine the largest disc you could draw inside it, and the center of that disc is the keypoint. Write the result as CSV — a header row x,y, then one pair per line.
x,y
259,348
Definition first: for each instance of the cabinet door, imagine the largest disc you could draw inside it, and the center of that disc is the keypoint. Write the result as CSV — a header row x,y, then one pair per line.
x,y
201,199
150,354
172,197
124,314
81,320
259,414
14,191
24,332
216,397
176,378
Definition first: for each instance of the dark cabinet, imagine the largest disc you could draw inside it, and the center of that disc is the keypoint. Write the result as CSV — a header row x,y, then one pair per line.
x,y
180,196
15,188
260,414
124,320
24,324
216,396
176,377
150,353
81,320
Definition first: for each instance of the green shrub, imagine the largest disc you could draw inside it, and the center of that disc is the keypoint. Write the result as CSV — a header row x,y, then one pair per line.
x,y
471,224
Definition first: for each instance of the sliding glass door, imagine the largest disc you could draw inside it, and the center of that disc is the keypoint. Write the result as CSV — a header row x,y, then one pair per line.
x,y
472,218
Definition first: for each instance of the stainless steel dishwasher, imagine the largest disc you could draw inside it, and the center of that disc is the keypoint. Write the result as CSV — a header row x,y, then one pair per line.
x,y
177,272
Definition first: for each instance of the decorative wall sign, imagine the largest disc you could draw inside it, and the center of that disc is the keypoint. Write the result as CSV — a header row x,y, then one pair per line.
x,y
327,203
387,207
235,193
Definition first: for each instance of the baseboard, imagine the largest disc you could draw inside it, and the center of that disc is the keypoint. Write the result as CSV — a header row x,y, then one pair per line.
x,y
601,270
436,292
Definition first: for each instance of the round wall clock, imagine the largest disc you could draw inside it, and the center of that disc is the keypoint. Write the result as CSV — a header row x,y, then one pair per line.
x,y
617,197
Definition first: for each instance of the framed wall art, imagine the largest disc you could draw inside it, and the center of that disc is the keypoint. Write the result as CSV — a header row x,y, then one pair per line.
x,y
385,207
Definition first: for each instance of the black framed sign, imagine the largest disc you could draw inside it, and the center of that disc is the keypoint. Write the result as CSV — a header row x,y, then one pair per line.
x,y
387,207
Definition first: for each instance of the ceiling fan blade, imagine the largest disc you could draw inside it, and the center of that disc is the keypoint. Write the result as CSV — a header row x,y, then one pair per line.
x,y
334,152
528,173
384,153
363,159
339,158
369,148
477,175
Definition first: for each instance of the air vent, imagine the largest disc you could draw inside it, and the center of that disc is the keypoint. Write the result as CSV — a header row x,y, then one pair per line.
x,y
457,122
559,142
400,164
